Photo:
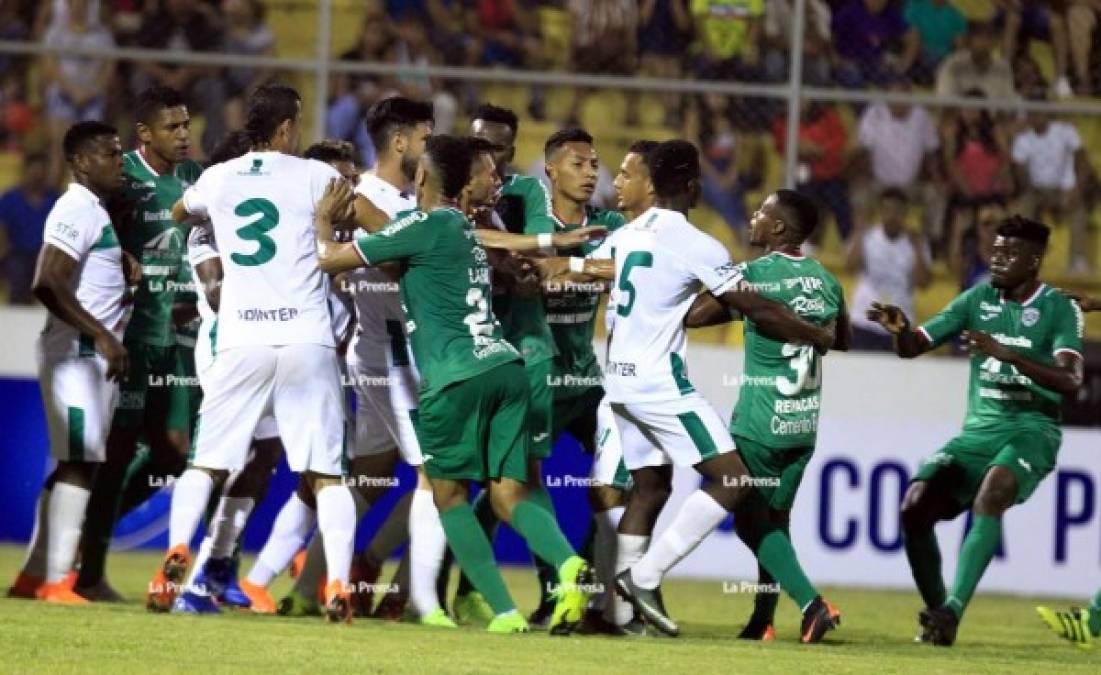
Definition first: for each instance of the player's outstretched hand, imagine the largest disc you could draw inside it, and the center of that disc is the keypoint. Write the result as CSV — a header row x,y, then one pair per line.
x,y
981,343
118,361
1086,303
581,235
338,202
889,316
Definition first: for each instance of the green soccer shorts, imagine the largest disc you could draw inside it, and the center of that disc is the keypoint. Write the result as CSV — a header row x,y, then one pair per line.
x,y
775,473
477,429
155,391
541,408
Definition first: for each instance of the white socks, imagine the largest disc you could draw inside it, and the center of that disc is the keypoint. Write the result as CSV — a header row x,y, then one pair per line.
x,y
336,522
200,560
64,518
698,517
35,562
604,559
189,498
288,533
629,550
228,523
427,546
394,531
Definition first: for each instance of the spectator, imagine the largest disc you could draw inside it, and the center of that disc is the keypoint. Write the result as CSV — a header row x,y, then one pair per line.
x,y
604,42
817,49
76,85
23,211
865,35
1051,168
12,27
1081,23
17,118
415,49
822,160
940,26
444,20
710,125
507,33
1027,20
186,26
897,144
976,67
248,35
728,38
663,36
969,249
891,263
1027,76
354,94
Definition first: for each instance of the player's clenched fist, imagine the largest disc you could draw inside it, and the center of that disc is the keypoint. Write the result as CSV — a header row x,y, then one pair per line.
x,y
338,202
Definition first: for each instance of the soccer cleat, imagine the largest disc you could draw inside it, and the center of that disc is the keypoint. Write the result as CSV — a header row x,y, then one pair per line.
x,y
168,580
595,624
513,622
575,583
362,579
472,608
940,626
820,618
338,603
232,594
540,618
59,593
647,603
391,607
1072,626
260,600
25,586
437,618
757,630
101,591
295,604
297,563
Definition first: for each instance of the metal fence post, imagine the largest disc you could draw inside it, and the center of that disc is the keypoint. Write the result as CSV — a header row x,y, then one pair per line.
x,y
795,89
324,49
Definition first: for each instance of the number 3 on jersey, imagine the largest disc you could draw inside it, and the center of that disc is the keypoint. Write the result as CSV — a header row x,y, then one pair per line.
x,y
257,231
634,259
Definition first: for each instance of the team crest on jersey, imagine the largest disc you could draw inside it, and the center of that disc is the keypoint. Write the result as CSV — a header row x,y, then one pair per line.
x,y
1030,316
257,169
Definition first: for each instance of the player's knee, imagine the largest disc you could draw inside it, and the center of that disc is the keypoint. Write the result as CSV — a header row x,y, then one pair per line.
x,y
913,514
997,493
448,495
604,497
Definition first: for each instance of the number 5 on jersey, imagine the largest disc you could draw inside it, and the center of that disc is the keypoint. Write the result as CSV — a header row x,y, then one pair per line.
x,y
634,259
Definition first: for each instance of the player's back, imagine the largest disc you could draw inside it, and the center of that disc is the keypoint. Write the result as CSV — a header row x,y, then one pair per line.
x,y
661,261
779,402
262,208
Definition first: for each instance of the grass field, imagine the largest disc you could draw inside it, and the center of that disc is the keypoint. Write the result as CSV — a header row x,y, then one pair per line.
x,y
1000,635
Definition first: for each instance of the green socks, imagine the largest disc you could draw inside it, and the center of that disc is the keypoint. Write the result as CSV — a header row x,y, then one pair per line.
x,y
977,551
1095,614
474,554
540,530
548,575
924,555
487,520
777,555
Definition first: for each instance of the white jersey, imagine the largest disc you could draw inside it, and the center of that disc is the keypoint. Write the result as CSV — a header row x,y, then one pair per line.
x,y
201,247
661,262
80,227
378,303
262,208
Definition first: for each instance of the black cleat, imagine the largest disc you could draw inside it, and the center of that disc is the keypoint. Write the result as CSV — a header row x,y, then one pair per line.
x,y
540,618
820,618
758,629
647,603
939,626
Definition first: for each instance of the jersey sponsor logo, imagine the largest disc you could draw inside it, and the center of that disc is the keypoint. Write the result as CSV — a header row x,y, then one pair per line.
x,y
156,216
622,369
797,405
487,347
169,240
404,222
1014,340
65,231
1003,395
1030,316
801,304
276,314
784,427
806,284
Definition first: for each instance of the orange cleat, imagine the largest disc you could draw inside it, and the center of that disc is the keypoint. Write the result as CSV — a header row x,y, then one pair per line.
x,y
297,563
338,603
70,578
262,602
59,593
168,581
362,579
26,586
770,634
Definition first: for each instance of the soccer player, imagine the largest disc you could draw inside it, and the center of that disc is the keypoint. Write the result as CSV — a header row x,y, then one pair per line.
x,y
474,396
775,423
152,403
661,261
80,280
275,343
1025,340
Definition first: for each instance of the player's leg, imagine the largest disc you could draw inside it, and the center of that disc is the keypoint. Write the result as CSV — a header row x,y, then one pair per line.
x,y
288,536
926,502
608,499
752,519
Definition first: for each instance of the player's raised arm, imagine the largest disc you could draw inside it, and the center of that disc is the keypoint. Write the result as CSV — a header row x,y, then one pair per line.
x,y
777,321
531,243
334,257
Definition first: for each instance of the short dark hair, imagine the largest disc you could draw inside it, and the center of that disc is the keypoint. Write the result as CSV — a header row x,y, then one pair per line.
x,y
564,136
479,145
451,156
155,99
800,211
894,193
81,133
393,114
643,146
1019,227
490,113
673,166
268,107
331,150
235,144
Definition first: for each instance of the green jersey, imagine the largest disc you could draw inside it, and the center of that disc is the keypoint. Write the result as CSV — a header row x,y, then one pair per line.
x,y
572,315
524,208
1040,327
155,240
185,290
445,292
780,396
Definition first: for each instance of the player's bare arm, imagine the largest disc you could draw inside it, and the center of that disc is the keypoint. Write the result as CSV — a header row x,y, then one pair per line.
x,y
558,271
707,310
531,243
843,332
1064,376
53,287
777,321
368,216
908,342
210,281
1085,303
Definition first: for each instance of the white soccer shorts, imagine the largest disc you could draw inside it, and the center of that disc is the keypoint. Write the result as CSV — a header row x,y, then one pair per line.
x,y
298,384
266,428
608,467
79,401
386,403
684,432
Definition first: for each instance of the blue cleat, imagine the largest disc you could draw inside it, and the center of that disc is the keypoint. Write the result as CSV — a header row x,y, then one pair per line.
x,y
232,594
194,601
